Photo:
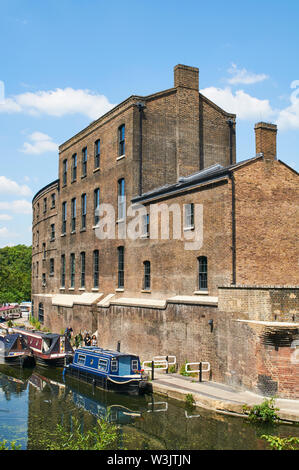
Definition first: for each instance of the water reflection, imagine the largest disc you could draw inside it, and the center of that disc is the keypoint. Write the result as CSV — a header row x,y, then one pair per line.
x,y
33,402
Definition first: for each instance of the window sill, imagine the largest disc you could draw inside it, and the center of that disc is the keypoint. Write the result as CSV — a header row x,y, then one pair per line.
x,y
83,230
119,290
120,157
201,292
83,176
146,291
52,239
120,221
82,288
189,228
73,181
72,232
71,288
51,275
61,288
95,226
146,235
96,169
95,289
63,235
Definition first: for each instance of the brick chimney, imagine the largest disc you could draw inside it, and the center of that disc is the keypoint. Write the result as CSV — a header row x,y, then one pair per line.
x,y
265,139
186,76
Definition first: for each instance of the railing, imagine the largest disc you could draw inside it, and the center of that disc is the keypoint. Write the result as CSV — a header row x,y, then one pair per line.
x,y
200,370
163,363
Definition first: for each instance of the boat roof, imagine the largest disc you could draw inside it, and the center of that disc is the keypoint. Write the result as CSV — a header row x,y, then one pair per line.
x,y
36,332
101,351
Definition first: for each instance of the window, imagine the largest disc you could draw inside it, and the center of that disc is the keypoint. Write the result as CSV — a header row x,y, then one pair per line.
x,y
121,199
114,365
44,251
202,273
83,211
37,269
45,204
189,215
52,231
37,210
74,167
96,198
103,365
134,364
53,200
84,161
121,140
97,153
64,214
82,277
51,267
73,210
73,267
64,172
96,269
37,238
63,271
147,275
41,313
145,228
44,279
121,274
81,359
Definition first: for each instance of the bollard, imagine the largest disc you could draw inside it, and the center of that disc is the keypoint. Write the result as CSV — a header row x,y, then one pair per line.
x,y
200,372
153,368
167,365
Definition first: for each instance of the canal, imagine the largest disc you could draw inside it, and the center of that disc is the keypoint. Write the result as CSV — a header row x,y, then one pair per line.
x,y
34,401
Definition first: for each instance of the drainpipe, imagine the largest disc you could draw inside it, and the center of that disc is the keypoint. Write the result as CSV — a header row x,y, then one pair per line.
x,y
234,276
141,107
230,123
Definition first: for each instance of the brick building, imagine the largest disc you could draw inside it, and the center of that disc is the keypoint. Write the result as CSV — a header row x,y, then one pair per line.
x,y
199,255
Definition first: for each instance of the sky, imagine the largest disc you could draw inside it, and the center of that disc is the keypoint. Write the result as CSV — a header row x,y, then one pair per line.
x,y
64,63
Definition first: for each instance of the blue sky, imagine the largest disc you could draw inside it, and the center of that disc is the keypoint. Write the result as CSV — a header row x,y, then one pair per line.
x,y
66,62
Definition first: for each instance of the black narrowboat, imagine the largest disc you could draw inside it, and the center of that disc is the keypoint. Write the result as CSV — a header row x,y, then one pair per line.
x,y
14,350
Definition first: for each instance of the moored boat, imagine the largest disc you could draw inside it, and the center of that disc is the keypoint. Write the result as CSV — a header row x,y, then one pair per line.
x,y
48,349
14,349
110,370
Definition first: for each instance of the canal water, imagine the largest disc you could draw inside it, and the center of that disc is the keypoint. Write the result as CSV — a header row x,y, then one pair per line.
x,y
34,401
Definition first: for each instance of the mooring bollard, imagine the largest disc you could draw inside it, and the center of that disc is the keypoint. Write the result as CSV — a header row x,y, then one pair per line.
x,y
200,372
153,368
167,365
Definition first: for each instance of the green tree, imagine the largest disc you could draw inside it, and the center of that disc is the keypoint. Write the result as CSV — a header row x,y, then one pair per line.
x,y
15,273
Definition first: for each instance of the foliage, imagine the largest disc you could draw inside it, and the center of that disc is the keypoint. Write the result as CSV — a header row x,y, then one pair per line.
x,y
34,322
189,400
13,446
105,436
172,369
265,412
15,274
282,443
184,373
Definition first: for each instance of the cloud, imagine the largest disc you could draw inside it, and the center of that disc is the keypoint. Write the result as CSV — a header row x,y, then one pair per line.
x,y
242,76
240,103
59,102
20,206
40,143
5,217
8,186
288,118
4,232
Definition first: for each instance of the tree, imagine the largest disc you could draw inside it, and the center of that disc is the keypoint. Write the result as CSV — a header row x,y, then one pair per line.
x,y
15,274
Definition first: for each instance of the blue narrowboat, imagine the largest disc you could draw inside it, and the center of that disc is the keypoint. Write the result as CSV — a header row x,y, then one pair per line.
x,y
110,370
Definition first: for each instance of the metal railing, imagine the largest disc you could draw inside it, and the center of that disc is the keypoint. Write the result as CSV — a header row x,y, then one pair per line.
x,y
200,370
162,362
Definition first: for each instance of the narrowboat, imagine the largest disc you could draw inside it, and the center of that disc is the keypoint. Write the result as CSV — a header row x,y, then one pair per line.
x,y
110,370
48,349
14,350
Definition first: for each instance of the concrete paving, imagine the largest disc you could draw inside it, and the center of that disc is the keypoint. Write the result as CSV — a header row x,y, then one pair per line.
x,y
218,397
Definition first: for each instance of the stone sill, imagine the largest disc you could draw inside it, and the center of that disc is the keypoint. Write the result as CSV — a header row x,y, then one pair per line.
x,y
145,291
82,288
96,169
201,292
186,229
120,157
119,290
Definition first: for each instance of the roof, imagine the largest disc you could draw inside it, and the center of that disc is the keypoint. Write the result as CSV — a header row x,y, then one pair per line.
x,y
101,351
208,175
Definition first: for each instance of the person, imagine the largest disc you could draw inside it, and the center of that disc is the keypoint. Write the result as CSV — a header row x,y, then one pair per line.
x,y
68,332
94,340
87,339
78,340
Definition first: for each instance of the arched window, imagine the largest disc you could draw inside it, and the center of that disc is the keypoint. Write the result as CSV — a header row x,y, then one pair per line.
x,y
147,275
202,273
41,312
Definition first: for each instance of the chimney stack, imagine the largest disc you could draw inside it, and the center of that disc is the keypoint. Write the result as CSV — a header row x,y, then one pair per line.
x,y
186,76
265,139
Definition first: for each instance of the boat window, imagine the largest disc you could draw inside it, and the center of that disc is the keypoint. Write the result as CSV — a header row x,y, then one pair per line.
x,y
134,364
114,366
102,365
81,359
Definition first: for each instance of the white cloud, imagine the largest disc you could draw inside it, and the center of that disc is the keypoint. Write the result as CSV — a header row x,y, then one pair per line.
x,y
244,77
4,232
20,206
8,186
58,102
240,103
40,143
288,118
5,217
